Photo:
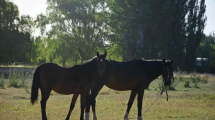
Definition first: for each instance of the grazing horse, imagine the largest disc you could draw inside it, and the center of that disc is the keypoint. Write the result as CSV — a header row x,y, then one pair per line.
x,y
135,75
73,80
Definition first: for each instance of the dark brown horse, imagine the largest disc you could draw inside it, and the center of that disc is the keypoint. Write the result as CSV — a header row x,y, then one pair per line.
x,y
135,75
74,80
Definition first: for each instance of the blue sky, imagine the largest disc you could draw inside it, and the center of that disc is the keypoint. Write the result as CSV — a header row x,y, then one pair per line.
x,y
35,7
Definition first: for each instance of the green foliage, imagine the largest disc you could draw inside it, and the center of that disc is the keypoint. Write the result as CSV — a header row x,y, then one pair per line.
x,y
114,53
17,79
173,84
186,83
13,82
2,84
161,86
195,79
79,28
15,32
205,79
76,33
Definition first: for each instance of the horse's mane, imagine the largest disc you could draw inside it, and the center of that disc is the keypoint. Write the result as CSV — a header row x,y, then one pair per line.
x,y
153,60
89,60
143,59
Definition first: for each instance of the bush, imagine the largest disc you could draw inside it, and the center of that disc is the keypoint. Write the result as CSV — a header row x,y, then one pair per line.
x,y
13,82
186,83
23,78
2,85
173,84
195,79
160,86
204,79
17,79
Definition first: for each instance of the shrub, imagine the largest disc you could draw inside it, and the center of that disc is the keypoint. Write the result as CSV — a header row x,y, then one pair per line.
x,y
195,79
17,79
204,79
161,86
186,83
2,84
13,82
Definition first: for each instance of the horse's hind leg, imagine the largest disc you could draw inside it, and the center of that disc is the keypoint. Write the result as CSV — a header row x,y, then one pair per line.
x,y
130,103
72,105
139,104
45,96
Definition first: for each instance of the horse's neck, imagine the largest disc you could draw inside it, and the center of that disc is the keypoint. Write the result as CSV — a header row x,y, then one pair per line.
x,y
155,71
90,66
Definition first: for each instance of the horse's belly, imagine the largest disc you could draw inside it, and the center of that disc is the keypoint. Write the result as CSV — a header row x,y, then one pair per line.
x,y
66,89
120,86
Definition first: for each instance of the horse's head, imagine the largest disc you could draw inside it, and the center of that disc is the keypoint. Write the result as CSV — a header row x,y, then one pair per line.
x,y
167,72
101,63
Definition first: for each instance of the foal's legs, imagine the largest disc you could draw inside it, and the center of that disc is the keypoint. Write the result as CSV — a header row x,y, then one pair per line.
x,y
72,105
45,96
130,102
139,104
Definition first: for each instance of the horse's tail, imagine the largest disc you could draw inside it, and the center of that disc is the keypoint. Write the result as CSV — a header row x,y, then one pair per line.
x,y
35,85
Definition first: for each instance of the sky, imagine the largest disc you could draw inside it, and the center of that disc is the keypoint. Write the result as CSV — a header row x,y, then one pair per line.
x,y
35,7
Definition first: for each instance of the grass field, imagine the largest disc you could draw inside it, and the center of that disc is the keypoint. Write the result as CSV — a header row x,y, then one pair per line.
x,y
184,104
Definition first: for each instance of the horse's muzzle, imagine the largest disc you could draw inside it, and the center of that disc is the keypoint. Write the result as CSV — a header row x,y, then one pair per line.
x,y
101,72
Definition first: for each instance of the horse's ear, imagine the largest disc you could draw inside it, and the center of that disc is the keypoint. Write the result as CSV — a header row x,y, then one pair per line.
x,y
171,61
97,54
105,53
164,61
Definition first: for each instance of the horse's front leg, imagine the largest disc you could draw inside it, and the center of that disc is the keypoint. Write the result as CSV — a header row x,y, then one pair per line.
x,y
94,93
93,104
139,104
94,109
130,102
87,110
83,103
72,105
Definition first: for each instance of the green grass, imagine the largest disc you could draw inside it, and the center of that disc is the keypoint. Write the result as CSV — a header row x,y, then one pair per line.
x,y
184,104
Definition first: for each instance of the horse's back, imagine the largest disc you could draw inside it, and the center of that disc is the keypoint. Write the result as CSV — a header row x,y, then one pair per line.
x,y
52,76
122,75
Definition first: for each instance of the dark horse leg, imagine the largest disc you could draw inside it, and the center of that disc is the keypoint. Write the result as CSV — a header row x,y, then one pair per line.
x,y
94,93
130,103
83,103
94,110
139,104
45,97
87,111
72,105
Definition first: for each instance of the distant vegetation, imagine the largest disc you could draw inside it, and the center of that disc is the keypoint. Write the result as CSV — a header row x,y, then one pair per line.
x,y
79,28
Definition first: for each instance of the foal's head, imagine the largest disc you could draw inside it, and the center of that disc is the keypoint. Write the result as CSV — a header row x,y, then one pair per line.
x,y
167,72
101,63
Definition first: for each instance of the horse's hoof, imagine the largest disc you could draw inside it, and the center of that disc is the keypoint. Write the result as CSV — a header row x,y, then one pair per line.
x,y
94,116
126,116
139,118
87,116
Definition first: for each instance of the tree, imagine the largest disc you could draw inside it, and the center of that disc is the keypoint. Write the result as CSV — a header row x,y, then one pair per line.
x,y
76,28
195,27
15,44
